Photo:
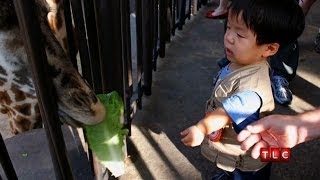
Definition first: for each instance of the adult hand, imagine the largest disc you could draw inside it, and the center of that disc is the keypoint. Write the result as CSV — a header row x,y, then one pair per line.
x,y
273,130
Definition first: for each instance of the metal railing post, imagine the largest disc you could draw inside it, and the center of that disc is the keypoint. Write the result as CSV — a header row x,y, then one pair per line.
x,y
44,87
6,161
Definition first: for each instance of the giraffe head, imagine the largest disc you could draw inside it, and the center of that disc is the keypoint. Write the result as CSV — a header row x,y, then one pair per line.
x,y
77,103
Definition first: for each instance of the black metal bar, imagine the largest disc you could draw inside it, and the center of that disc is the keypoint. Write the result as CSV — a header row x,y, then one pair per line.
x,y
188,14
155,33
147,46
204,2
163,25
72,51
127,64
174,16
199,4
6,162
110,48
139,51
82,40
44,87
93,45
182,14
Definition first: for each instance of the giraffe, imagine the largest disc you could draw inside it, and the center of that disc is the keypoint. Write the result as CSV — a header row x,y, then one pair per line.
x,y
77,103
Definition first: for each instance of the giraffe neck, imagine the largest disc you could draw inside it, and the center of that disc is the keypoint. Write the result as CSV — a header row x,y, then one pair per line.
x,y
17,93
77,103
13,62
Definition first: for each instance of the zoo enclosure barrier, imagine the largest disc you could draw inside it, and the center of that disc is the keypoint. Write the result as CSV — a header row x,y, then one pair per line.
x,y
103,34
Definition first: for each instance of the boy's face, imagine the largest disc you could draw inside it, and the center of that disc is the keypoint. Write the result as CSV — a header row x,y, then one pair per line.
x,y
240,43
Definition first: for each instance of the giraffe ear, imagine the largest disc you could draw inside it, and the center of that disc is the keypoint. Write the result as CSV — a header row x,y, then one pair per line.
x,y
54,21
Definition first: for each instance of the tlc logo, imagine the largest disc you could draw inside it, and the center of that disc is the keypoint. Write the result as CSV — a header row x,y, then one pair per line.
x,y
275,154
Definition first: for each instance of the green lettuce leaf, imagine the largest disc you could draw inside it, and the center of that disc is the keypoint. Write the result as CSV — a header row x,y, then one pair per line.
x,y
106,139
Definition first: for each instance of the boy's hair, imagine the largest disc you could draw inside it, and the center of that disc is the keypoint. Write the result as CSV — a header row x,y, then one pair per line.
x,y
272,21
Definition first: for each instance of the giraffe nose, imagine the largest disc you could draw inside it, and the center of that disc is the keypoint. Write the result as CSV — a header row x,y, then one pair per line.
x,y
99,111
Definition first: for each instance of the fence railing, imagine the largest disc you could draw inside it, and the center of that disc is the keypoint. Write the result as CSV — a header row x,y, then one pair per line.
x,y
103,34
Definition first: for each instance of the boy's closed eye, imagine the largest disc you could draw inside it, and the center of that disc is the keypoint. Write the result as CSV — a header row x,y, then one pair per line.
x,y
240,36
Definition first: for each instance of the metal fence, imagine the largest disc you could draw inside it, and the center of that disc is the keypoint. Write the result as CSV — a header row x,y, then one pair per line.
x,y
102,28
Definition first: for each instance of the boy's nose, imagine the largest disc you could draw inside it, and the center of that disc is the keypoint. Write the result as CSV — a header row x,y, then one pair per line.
x,y
228,37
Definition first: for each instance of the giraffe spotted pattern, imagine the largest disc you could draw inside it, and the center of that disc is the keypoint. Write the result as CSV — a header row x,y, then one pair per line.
x,y
77,103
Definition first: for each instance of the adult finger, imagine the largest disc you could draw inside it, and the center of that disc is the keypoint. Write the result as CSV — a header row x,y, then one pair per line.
x,y
250,141
260,125
243,135
255,153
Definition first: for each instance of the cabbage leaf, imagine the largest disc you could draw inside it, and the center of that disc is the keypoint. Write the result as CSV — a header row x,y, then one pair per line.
x,y
106,139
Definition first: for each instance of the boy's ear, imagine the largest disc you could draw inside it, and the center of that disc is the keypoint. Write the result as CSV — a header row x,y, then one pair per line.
x,y
271,49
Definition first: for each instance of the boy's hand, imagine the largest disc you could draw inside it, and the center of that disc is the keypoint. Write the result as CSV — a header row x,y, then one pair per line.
x,y
193,136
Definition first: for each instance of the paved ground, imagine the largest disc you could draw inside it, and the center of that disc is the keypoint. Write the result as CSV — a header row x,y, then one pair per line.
x,y
180,87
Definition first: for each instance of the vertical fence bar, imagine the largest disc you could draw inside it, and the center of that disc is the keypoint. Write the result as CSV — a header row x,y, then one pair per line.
x,y
204,2
162,24
139,51
174,16
108,25
6,162
72,51
155,33
188,14
82,40
199,4
147,45
43,85
182,14
90,22
127,64
110,50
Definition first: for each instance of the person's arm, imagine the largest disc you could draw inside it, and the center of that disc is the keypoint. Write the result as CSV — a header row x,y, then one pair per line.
x,y
235,108
309,126
215,120
280,131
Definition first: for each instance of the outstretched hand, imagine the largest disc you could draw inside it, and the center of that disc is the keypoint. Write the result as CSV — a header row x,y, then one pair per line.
x,y
192,136
273,130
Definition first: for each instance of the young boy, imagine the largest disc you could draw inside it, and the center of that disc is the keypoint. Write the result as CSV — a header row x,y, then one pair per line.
x,y
242,93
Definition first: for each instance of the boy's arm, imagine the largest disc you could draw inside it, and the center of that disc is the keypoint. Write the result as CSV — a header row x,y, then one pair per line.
x,y
236,108
215,120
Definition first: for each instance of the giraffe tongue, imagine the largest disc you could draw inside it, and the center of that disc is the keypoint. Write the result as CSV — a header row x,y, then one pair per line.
x,y
65,118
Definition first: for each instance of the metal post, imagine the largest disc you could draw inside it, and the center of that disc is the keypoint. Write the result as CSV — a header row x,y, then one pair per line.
x,y
182,14
90,21
82,40
110,49
163,25
6,162
139,51
147,45
48,108
127,64
72,51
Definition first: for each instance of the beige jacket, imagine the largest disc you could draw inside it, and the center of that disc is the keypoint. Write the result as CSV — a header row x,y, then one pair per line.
x,y
227,153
